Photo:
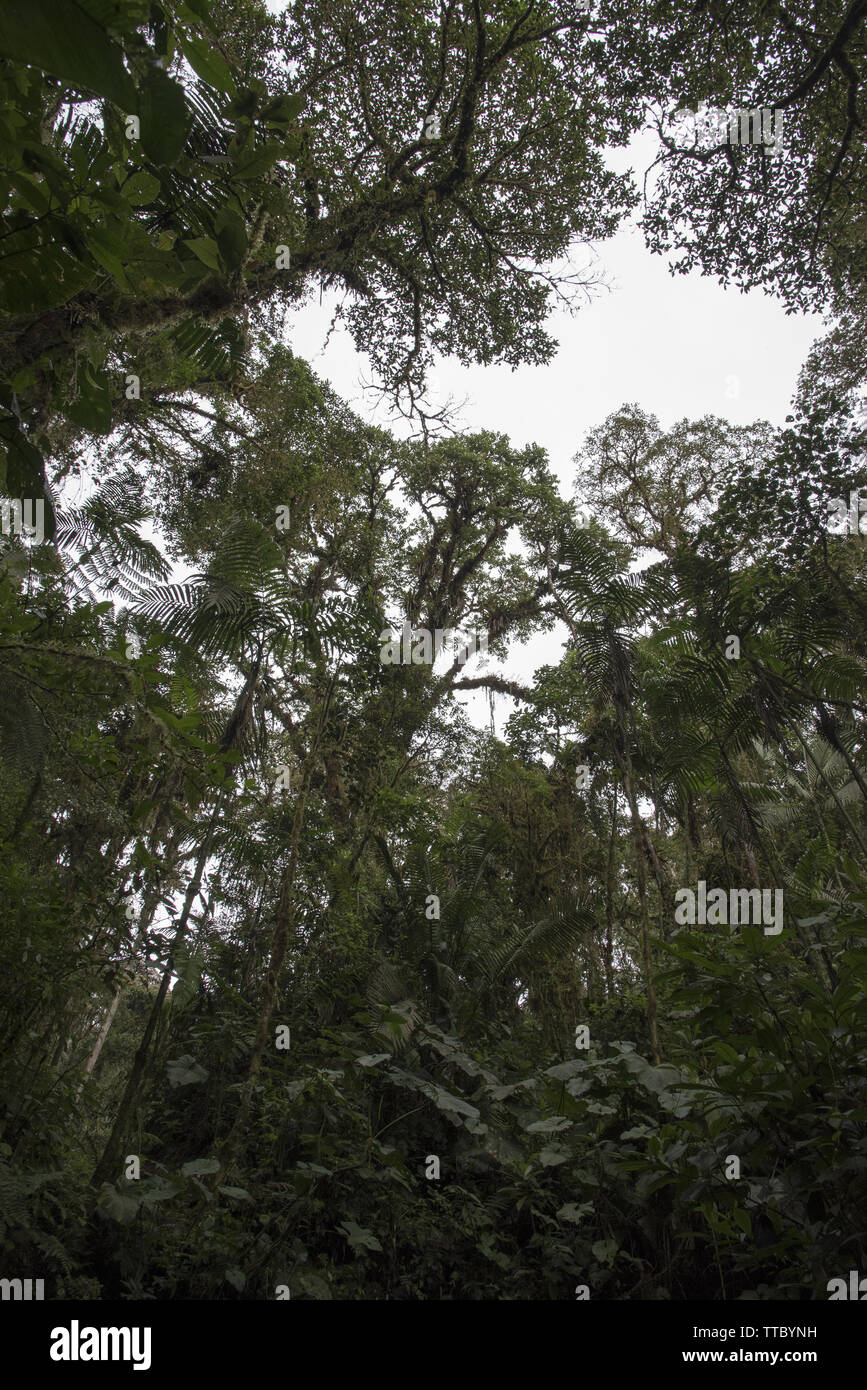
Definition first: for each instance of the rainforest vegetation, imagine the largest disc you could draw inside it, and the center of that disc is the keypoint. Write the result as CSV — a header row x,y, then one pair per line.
x,y
311,987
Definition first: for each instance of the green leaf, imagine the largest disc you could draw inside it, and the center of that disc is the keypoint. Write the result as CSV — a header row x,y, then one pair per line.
x,y
107,251
574,1214
24,379
185,1071
653,1078
62,39
236,1277
497,1257
231,238
262,160
564,1070
239,1193
36,277
25,474
32,192
119,1207
604,1251
141,188
164,117
124,16
189,964
161,1191
93,407
553,1124
200,1167
358,1237
554,1155
206,249
281,110
501,1092
444,1100
210,65
314,1285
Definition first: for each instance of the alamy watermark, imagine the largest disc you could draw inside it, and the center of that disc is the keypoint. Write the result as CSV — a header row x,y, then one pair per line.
x,y
75,1343
856,1292
848,521
22,1290
709,127
737,907
16,518
418,647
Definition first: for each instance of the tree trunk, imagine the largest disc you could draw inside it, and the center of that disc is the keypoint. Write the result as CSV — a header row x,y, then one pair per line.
x,y
286,909
108,1163
103,1034
609,900
641,871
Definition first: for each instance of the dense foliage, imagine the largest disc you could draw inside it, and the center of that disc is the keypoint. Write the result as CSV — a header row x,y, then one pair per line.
x,y
308,986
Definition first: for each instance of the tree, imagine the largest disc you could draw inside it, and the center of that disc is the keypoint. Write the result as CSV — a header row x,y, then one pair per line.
x,y
791,221
652,488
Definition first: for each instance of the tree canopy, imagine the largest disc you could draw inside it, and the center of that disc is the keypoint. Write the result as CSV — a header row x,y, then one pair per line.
x,y
311,987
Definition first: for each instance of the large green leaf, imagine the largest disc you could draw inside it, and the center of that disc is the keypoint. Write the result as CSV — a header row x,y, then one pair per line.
x,y
283,109
24,465
200,1167
141,188
34,277
554,1155
107,250
552,1125
185,1071
260,161
358,1237
118,1206
158,1190
231,237
314,1285
206,249
93,407
207,62
164,118
62,39
123,16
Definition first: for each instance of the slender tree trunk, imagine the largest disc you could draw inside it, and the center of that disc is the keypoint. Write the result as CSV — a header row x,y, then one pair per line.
x,y
103,1034
641,871
609,900
687,866
638,828
286,910
108,1163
